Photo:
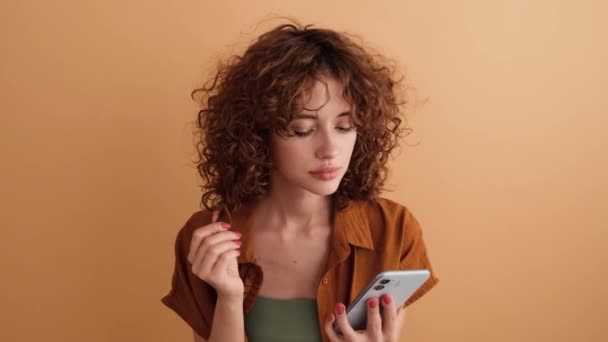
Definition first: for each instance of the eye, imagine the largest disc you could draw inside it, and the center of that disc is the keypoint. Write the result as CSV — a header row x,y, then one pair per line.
x,y
345,129
302,133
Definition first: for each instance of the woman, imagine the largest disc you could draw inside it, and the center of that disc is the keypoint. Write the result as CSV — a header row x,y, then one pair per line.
x,y
295,137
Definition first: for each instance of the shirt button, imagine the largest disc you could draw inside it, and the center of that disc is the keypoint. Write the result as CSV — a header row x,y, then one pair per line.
x,y
325,281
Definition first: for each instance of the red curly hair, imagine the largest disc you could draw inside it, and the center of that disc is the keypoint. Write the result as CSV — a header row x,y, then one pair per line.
x,y
256,94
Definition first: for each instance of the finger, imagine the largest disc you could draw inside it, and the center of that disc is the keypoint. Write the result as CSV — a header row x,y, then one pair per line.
x,y
345,328
205,262
389,314
200,234
214,239
329,328
374,322
224,260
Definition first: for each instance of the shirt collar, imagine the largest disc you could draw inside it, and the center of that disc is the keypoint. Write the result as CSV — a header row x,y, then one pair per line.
x,y
350,226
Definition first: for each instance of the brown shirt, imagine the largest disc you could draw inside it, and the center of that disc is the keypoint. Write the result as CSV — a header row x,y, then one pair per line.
x,y
368,237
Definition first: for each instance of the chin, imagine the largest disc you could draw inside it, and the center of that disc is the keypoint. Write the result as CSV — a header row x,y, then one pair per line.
x,y
323,188
324,192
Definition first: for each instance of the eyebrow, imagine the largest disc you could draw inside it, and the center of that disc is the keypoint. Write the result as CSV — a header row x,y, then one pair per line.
x,y
314,117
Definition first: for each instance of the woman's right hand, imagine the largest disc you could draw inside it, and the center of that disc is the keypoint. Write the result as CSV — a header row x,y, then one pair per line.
x,y
213,253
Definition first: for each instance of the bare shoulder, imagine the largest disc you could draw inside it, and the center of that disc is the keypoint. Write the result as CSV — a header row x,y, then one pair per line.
x,y
197,337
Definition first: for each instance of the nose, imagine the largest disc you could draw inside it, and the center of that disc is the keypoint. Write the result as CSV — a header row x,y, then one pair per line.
x,y
327,148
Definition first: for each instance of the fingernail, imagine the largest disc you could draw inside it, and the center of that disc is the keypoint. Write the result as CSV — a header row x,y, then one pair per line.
x,y
372,303
225,225
330,317
340,308
238,235
387,299
237,242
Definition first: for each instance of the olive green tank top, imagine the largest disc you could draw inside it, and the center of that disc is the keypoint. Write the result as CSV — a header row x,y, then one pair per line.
x,y
280,320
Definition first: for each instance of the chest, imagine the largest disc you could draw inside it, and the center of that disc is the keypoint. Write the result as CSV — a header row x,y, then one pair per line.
x,y
292,267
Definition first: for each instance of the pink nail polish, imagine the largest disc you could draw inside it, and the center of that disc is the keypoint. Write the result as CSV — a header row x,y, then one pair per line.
x,y
372,303
340,308
387,299
330,317
225,225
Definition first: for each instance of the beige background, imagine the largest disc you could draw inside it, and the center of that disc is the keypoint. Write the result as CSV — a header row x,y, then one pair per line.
x,y
509,177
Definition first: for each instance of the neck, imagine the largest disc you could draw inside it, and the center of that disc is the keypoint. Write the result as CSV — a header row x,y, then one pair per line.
x,y
292,214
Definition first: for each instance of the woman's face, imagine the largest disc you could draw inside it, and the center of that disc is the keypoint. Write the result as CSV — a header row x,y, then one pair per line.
x,y
323,141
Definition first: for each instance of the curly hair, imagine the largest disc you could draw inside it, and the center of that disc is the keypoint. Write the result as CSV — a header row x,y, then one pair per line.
x,y
256,94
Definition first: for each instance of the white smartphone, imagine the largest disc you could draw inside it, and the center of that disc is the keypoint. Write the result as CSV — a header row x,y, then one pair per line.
x,y
399,284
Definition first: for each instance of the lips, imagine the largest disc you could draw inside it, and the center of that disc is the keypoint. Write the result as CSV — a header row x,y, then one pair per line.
x,y
325,170
326,173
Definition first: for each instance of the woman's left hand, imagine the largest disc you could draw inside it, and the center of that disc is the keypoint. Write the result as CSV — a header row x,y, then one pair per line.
x,y
379,329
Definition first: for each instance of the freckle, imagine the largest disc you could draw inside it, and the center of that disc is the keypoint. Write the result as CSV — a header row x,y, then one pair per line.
x,y
295,262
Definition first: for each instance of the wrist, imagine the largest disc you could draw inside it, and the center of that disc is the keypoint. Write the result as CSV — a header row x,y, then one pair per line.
x,y
234,300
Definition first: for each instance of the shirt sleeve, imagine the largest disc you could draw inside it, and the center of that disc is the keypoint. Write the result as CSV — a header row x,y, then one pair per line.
x,y
190,297
414,256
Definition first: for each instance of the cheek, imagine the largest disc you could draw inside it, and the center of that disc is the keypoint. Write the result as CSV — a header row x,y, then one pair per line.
x,y
349,144
286,153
